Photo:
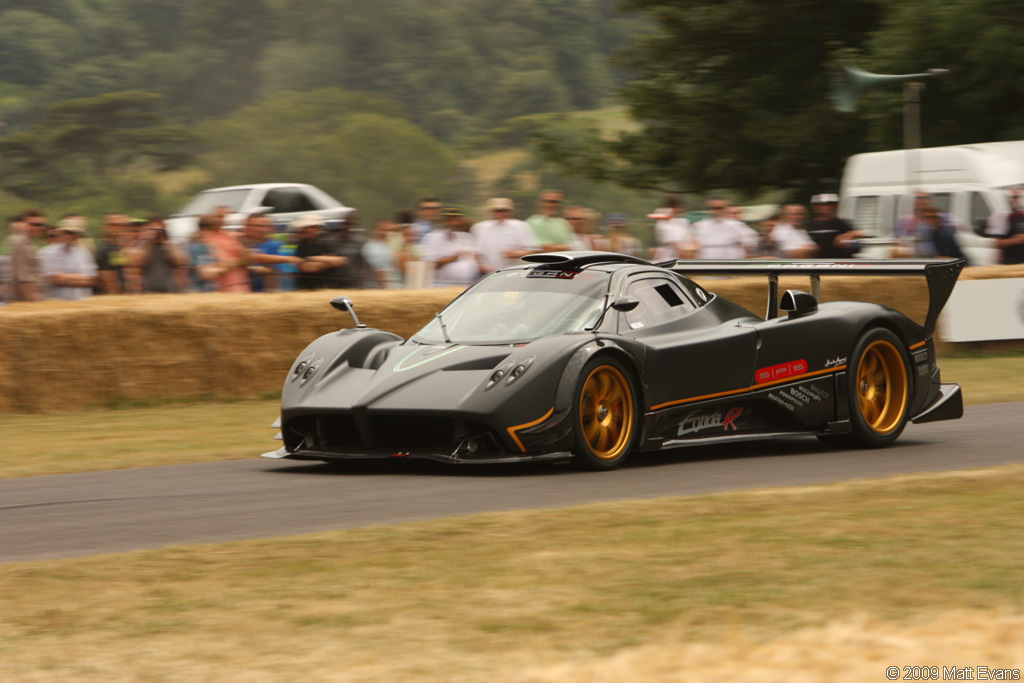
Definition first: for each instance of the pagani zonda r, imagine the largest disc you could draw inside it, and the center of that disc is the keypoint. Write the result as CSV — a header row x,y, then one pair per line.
x,y
594,356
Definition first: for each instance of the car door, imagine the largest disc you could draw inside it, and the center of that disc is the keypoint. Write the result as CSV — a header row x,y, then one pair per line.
x,y
693,351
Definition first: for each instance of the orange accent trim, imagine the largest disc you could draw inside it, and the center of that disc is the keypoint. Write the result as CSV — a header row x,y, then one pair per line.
x,y
918,345
512,430
787,380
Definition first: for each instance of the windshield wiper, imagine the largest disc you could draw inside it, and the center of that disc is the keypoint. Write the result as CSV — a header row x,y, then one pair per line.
x,y
444,330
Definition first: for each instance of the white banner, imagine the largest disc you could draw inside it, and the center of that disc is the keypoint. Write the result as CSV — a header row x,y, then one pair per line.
x,y
984,310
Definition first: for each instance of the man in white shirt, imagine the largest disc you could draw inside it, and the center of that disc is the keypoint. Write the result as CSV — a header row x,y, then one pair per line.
x,y
671,231
452,250
503,240
720,236
789,237
69,267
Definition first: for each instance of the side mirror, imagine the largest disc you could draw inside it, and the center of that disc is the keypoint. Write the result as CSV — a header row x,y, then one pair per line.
x,y
625,303
343,303
798,304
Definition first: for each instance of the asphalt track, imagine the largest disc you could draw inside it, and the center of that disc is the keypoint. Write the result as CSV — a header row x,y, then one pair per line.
x,y
103,512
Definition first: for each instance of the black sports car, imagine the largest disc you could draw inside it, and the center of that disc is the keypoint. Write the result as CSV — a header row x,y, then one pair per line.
x,y
594,356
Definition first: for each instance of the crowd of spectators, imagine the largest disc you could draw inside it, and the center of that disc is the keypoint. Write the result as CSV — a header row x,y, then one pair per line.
x,y
436,245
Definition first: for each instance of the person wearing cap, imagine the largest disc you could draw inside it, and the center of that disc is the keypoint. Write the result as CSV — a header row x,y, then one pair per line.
x,y
317,259
452,249
25,279
835,237
69,267
502,239
551,230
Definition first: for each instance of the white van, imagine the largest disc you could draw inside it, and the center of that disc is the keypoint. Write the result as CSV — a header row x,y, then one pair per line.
x,y
968,181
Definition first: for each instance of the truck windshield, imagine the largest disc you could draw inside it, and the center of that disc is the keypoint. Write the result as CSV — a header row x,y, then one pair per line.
x,y
515,307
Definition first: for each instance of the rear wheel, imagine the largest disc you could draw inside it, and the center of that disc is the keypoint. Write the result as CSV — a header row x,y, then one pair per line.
x,y
604,415
879,391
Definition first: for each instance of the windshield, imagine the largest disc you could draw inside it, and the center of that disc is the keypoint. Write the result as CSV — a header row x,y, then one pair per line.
x,y
513,308
207,202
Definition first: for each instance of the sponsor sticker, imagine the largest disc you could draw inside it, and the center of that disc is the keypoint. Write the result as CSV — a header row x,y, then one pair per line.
x,y
700,420
781,371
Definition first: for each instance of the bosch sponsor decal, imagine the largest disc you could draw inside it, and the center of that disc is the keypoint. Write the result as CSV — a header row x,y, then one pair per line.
x,y
796,397
699,420
781,371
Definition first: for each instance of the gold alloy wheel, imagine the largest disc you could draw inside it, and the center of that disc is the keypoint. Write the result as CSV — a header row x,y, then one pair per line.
x,y
882,386
606,412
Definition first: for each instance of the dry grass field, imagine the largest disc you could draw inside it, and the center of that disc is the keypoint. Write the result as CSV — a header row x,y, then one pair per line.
x,y
826,583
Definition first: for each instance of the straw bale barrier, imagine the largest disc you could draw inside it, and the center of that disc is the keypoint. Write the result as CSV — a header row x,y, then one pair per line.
x,y
106,350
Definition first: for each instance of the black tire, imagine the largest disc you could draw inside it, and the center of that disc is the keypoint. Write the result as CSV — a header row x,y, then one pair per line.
x,y
880,389
606,414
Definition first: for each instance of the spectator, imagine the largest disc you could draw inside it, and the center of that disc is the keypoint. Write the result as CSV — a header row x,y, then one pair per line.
x,y
503,240
1008,231
553,232
317,259
619,240
582,237
928,232
380,257
25,279
428,220
157,258
750,237
671,231
789,236
231,255
765,246
835,237
453,251
345,240
37,222
720,236
204,271
113,254
68,266
265,257
938,235
909,228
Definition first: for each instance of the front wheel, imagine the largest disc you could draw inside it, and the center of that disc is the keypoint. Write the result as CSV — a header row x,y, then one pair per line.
x,y
605,418
879,389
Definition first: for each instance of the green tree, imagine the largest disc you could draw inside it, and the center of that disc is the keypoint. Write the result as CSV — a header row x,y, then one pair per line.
x,y
731,94
356,146
79,144
979,42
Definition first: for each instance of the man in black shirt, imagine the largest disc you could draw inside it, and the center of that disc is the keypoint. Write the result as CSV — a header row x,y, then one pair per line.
x,y
836,238
1009,232
317,259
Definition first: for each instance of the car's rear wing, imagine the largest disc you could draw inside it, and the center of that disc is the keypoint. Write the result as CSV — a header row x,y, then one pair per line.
x,y
940,274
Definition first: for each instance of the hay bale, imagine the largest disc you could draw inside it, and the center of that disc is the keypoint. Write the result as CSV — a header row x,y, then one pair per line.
x,y
57,355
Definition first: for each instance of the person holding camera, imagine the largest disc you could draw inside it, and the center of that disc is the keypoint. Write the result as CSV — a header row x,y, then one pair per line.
x,y
158,258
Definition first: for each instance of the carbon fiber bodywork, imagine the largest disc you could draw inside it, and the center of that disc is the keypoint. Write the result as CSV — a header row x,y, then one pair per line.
x,y
709,370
